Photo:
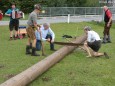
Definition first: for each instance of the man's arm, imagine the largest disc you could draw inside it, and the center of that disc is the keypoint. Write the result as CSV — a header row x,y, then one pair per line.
x,y
110,17
44,39
8,13
52,34
110,20
89,37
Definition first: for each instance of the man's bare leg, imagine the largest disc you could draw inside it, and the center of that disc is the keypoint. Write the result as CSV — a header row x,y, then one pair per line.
x,y
16,33
34,48
11,34
34,43
28,46
97,54
87,49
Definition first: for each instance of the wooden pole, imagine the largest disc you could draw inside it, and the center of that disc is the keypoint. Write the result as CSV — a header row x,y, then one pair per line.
x,y
43,54
36,70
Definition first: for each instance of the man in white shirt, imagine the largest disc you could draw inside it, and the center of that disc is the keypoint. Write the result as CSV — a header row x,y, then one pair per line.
x,y
93,42
47,35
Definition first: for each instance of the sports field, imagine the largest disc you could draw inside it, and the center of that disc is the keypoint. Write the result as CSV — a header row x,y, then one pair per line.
x,y
74,70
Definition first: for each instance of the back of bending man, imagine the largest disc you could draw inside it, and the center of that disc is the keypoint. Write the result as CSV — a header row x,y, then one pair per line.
x,y
32,26
47,35
93,42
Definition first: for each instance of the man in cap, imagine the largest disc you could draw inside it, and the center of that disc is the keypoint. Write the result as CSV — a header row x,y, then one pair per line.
x,y
32,27
108,24
93,42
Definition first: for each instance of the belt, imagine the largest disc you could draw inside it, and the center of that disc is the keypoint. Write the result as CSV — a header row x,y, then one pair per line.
x,y
95,41
32,27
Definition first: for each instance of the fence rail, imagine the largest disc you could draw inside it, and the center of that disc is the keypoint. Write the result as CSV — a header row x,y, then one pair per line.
x,y
74,11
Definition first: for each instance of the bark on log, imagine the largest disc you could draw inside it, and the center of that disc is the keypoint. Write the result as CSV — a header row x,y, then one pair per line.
x,y
36,70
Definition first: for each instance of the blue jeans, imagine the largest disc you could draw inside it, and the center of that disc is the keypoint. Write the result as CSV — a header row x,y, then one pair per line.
x,y
38,43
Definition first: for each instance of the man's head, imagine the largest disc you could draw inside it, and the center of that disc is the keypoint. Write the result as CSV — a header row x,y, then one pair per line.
x,y
13,5
46,26
86,29
37,7
105,8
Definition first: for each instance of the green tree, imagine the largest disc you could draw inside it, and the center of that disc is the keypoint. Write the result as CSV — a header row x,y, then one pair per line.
x,y
56,3
92,3
6,4
28,5
76,3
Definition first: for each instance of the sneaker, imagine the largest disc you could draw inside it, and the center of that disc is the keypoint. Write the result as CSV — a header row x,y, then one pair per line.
x,y
10,39
106,55
104,42
109,42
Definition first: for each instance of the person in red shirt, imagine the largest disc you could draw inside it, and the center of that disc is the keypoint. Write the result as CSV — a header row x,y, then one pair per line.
x,y
1,15
108,24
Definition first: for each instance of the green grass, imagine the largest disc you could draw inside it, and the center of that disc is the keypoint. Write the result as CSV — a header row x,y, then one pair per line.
x,y
74,70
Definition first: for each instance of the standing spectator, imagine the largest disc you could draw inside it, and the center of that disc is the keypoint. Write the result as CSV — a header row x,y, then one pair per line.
x,y
108,24
14,22
32,26
1,15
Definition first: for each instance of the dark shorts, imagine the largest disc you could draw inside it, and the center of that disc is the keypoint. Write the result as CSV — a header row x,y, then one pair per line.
x,y
31,33
95,45
14,24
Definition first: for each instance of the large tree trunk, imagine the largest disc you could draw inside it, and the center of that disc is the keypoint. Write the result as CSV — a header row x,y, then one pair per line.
x,y
36,70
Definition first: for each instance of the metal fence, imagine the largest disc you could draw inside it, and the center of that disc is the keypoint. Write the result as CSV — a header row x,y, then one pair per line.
x,y
75,11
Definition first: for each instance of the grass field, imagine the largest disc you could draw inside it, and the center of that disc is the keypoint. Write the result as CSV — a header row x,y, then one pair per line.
x,y
74,70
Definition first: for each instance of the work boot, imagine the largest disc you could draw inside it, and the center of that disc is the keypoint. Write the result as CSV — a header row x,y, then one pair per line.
x,y
104,39
109,39
28,49
34,52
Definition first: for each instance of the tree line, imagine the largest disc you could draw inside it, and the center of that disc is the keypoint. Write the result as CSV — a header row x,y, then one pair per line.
x,y
27,5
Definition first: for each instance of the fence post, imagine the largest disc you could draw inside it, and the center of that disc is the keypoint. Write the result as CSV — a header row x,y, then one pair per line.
x,y
85,12
74,11
102,14
50,11
68,19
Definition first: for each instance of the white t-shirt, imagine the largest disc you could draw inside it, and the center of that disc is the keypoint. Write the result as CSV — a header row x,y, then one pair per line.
x,y
93,36
44,33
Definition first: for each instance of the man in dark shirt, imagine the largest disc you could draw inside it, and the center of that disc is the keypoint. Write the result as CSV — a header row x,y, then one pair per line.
x,y
108,23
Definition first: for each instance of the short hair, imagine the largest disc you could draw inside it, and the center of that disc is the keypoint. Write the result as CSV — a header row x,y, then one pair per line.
x,y
46,24
88,28
13,4
37,6
105,7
